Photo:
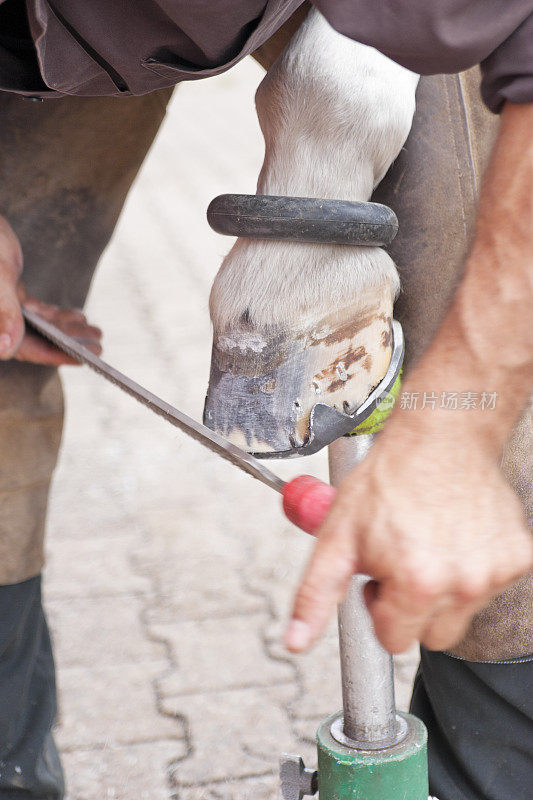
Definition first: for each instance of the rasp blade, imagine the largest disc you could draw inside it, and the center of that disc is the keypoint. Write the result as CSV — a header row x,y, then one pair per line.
x,y
174,416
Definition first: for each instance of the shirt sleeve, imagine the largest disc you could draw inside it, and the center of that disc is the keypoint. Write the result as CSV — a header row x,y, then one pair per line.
x,y
435,36
508,70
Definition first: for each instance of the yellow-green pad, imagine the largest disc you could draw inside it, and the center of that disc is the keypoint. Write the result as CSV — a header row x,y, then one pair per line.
x,y
375,422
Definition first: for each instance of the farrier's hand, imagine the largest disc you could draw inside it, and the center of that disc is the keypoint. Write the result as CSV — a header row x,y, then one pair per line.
x,y
430,518
15,341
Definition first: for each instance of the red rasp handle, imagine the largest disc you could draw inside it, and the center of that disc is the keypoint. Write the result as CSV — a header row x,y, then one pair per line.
x,y
306,501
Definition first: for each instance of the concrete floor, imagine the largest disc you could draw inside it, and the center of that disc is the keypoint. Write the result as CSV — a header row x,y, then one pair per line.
x,y
169,572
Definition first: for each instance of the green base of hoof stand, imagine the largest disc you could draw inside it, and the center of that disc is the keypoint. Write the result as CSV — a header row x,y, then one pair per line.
x,y
396,773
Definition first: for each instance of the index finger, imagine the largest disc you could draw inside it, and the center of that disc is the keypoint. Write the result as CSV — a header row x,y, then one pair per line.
x,y
324,584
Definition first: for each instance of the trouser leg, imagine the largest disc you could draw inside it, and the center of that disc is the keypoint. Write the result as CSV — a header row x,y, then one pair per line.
x,y
65,169
433,187
479,718
29,762
31,409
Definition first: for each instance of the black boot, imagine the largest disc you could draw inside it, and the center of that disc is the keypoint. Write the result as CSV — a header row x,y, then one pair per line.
x,y
29,762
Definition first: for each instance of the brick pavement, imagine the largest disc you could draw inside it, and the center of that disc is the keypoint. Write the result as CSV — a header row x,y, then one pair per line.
x,y
170,573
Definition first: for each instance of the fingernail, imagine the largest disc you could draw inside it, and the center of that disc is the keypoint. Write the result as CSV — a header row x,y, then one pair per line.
x,y
298,635
5,343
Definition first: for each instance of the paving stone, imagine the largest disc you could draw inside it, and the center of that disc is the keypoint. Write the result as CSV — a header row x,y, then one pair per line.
x,y
96,632
233,734
110,706
278,561
198,576
263,788
305,729
318,679
97,515
83,568
136,772
220,653
202,588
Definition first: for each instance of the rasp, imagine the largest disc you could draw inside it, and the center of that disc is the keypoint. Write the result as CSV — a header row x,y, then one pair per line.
x,y
306,500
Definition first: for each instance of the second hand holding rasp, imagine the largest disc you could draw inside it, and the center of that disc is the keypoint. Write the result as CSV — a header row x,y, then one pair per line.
x,y
306,500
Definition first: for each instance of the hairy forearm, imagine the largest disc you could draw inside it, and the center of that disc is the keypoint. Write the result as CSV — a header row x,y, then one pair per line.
x,y
498,288
485,344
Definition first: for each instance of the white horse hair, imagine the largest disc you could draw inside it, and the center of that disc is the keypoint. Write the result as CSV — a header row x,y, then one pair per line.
x,y
334,115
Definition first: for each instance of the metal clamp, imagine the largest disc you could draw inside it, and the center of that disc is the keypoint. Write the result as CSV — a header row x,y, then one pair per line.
x,y
296,780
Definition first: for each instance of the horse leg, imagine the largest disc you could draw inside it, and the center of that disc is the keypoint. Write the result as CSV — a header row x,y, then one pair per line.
x,y
334,114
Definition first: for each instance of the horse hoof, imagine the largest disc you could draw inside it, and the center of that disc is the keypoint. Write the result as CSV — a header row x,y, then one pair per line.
x,y
264,382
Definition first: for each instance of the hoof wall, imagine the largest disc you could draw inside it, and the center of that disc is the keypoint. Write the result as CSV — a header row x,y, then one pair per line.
x,y
264,383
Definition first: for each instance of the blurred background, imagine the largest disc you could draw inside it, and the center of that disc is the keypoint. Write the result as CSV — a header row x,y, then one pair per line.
x,y
170,573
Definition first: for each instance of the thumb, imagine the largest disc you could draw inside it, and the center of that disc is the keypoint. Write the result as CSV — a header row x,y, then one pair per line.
x,y
11,321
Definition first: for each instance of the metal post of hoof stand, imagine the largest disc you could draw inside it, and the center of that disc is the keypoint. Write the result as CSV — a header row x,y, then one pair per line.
x,y
367,751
